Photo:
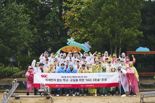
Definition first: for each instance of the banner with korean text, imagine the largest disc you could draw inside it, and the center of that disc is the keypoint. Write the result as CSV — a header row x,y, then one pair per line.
x,y
76,80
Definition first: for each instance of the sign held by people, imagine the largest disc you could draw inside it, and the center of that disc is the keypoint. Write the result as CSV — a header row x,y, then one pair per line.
x,y
79,80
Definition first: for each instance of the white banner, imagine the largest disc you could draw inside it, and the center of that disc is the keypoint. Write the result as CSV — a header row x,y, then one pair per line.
x,y
76,80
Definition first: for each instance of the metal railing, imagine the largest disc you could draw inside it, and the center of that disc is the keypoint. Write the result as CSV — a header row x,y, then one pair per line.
x,y
8,93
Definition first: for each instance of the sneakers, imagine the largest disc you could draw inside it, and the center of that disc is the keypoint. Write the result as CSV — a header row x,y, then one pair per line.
x,y
124,95
57,95
67,95
77,93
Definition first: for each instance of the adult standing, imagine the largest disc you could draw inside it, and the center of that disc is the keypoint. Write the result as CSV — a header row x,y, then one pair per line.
x,y
71,91
60,69
29,79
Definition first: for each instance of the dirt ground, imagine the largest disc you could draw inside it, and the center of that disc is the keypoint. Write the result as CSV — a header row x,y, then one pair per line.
x,y
83,99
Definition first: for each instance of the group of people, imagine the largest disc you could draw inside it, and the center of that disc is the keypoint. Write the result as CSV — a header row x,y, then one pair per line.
x,y
87,63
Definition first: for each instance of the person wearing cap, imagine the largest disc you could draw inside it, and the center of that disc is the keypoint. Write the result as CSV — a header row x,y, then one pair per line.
x,y
29,79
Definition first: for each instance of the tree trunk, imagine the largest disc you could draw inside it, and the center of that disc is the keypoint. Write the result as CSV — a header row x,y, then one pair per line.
x,y
120,48
115,50
111,50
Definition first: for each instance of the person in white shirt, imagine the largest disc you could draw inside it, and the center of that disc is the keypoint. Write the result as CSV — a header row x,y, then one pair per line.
x,y
36,68
51,58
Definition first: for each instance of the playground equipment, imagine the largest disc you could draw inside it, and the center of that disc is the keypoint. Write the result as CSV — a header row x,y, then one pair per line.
x,y
44,91
73,46
8,93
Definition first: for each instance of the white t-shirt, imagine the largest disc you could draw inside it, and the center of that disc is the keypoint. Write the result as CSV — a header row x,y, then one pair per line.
x,y
37,70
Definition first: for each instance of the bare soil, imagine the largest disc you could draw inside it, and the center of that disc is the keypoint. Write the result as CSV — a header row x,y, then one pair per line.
x,y
83,99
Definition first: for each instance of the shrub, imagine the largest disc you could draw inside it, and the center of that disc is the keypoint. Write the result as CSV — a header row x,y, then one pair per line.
x,y
8,71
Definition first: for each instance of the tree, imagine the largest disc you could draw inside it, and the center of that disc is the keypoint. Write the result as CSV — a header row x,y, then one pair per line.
x,y
47,24
148,25
72,15
113,24
14,30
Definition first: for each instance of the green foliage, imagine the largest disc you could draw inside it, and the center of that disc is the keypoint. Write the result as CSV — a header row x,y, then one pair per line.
x,y
14,30
148,25
29,27
115,21
24,61
8,71
47,25
72,14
